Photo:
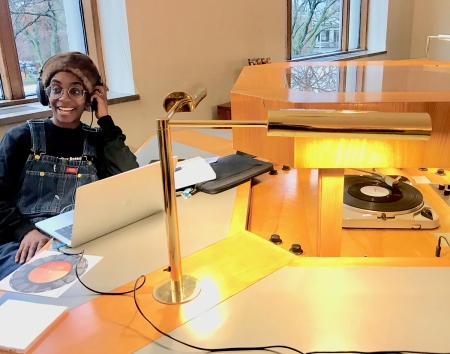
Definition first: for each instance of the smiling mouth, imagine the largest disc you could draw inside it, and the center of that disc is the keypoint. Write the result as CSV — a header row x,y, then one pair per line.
x,y
64,109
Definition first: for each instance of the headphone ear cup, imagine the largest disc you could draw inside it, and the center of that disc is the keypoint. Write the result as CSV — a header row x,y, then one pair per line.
x,y
41,94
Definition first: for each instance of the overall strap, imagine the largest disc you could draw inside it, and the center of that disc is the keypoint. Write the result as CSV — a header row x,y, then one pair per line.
x,y
37,130
90,140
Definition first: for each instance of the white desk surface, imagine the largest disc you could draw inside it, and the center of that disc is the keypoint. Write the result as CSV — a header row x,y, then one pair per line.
x,y
150,150
141,247
327,309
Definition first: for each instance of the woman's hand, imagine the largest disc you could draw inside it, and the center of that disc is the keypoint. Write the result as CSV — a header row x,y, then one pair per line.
x,y
99,94
31,243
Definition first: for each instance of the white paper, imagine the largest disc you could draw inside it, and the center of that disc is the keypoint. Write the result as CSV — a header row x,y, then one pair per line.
x,y
23,323
192,171
421,179
211,159
55,293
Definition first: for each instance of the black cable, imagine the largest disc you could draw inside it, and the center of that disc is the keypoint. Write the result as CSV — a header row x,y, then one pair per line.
x,y
226,349
81,254
377,352
92,119
438,247
210,350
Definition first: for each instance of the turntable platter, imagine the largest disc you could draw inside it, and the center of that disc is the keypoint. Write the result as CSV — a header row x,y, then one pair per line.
x,y
372,194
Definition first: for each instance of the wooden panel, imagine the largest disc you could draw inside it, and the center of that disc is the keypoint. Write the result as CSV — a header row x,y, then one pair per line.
x,y
9,61
255,141
331,190
239,219
224,111
286,204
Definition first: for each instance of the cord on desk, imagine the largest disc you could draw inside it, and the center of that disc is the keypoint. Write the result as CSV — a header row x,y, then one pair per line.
x,y
377,352
81,254
229,349
210,350
438,247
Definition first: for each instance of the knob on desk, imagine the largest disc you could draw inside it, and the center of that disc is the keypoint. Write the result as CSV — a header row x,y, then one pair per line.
x,y
276,239
441,187
440,172
296,249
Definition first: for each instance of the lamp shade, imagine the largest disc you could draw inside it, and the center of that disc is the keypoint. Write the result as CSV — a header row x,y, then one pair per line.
x,y
348,124
191,92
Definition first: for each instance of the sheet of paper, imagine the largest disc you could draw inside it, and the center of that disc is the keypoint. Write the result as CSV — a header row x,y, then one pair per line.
x,y
49,273
421,179
211,159
192,171
23,323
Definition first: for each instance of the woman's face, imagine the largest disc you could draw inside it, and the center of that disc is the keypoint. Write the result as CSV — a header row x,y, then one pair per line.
x,y
66,110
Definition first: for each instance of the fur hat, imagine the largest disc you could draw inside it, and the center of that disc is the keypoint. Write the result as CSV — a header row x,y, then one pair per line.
x,y
77,63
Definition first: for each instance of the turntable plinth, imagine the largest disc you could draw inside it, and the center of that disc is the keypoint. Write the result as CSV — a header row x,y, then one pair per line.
x,y
384,86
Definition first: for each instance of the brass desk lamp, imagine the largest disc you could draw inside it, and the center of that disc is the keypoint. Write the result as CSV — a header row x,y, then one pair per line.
x,y
281,122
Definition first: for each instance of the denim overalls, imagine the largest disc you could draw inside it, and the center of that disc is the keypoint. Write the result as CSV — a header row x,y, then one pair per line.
x,y
49,184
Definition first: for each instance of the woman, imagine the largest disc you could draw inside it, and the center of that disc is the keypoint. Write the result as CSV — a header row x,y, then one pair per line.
x,y
42,162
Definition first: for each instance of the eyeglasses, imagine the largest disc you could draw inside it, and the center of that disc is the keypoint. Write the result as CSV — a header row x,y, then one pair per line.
x,y
55,92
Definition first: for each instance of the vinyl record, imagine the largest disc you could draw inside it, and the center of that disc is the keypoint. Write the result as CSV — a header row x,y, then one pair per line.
x,y
47,273
370,193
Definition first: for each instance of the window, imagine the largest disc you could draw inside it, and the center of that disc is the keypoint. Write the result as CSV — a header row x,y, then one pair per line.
x,y
324,27
34,30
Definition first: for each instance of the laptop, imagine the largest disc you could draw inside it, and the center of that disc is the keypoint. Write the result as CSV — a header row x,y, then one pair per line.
x,y
107,205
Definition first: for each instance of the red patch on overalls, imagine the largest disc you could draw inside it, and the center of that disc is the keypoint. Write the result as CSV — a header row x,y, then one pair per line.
x,y
72,170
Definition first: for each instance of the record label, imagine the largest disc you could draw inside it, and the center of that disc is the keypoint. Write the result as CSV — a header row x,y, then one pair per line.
x,y
48,273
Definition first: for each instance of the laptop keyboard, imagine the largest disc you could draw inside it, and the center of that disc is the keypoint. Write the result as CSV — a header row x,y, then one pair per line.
x,y
66,231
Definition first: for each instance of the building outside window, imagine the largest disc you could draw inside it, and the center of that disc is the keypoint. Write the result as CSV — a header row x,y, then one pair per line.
x,y
324,27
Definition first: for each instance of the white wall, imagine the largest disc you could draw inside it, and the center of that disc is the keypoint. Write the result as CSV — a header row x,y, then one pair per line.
x,y
431,17
116,45
395,38
176,41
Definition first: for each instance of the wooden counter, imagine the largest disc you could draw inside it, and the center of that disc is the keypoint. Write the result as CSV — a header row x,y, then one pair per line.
x,y
388,86
111,324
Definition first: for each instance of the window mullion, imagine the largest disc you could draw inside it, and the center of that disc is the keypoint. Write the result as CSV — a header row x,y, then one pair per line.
x,y
289,30
93,35
345,24
363,24
9,61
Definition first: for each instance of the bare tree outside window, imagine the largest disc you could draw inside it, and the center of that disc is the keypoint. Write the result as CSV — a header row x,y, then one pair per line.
x,y
321,28
40,31
309,19
314,78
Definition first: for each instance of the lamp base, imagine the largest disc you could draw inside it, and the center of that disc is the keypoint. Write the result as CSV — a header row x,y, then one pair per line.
x,y
190,288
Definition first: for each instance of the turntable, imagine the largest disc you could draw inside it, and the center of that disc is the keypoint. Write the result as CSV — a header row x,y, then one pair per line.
x,y
382,202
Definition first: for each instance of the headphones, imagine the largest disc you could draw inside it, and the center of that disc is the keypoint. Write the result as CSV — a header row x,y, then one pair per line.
x,y
40,91
43,98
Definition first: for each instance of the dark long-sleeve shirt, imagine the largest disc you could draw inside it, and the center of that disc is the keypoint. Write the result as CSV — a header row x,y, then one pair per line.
x,y
113,157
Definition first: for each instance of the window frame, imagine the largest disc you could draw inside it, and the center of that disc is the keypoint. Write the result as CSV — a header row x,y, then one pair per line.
x,y
345,32
9,62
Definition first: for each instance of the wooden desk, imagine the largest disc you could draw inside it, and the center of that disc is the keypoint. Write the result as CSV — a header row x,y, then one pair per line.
x,y
286,204
388,86
226,268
